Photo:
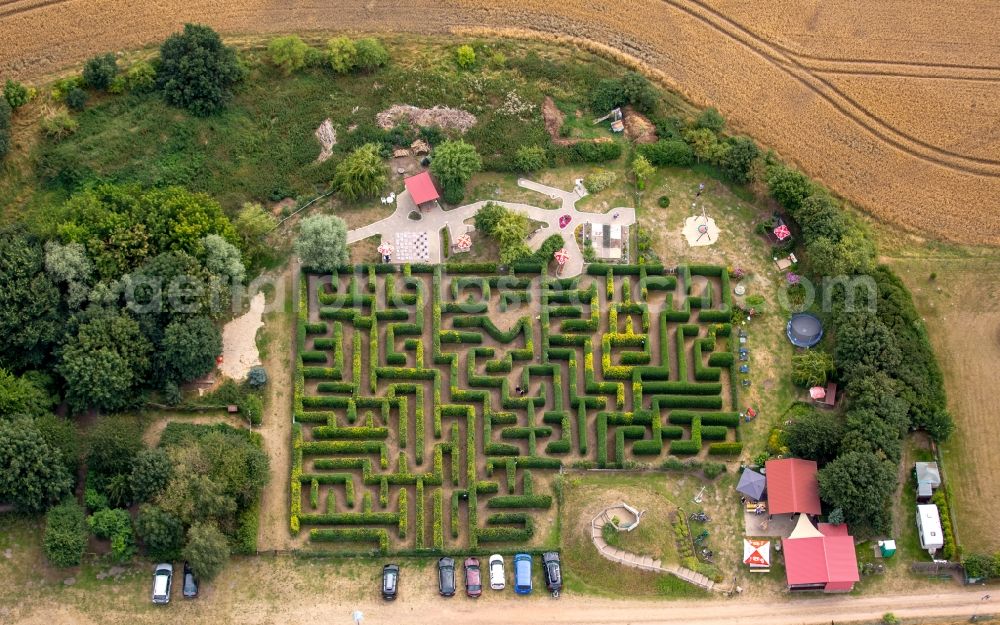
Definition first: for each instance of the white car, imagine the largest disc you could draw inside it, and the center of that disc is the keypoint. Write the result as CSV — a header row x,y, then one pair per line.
x,y
163,577
497,579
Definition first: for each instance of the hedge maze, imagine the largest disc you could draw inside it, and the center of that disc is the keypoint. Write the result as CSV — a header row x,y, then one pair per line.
x,y
434,404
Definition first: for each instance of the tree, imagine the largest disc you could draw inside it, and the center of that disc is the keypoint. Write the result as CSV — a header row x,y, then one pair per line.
x,y
361,174
252,225
529,158
65,534
342,53
100,71
606,95
222,258
322,242
668,153
61,434
104,362
815,436
189,348
371,54
70,266
288,53
487,217
30,320
196,71
853,254
161,533
819,216
811,367
465,56
114,443
739,158
206,550
140,77
869,434
151,472
865,344
639,92
33,475
704,143
22,396
642,169
257,377
511,231
711,119
788,186
980,566
861,484
454,164
16,94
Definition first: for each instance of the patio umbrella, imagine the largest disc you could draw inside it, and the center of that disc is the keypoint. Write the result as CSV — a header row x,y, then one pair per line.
x,y
756,553
752,484
782,232
384,249
463,243
817,392
561,256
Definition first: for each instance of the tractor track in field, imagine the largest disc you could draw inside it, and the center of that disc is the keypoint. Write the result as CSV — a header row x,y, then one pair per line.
x,y
844,104
17,7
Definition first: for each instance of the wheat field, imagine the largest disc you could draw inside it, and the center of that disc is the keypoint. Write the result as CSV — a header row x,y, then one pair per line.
x,y
892,106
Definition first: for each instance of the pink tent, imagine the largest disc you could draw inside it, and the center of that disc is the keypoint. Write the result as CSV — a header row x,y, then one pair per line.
x,y
817,393
782,232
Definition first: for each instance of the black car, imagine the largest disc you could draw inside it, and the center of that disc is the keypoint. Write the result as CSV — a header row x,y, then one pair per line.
x,y
553,573
190,583
446,577
390,581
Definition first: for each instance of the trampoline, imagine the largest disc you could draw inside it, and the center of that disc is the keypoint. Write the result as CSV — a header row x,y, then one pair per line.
x,y
804,330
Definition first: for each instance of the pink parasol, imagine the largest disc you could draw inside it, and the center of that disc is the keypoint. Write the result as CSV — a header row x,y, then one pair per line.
x,y
782,232
384,249
561,256
817,392
463,243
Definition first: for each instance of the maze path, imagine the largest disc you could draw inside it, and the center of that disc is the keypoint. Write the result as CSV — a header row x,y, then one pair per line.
x,y
434,406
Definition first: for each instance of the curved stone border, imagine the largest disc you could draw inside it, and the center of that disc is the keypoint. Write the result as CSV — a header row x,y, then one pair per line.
x,y
643,563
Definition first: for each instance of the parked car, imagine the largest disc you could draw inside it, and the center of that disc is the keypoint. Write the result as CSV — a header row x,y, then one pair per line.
x,y
163,579
446,577
522,574
190,588
473,579
498,581
390,581
553,572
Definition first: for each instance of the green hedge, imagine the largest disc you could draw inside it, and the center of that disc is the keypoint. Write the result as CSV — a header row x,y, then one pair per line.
x,y
725,449
520,501
357,535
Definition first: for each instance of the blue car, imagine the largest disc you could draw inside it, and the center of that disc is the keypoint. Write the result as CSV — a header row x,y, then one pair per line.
x,y
522,574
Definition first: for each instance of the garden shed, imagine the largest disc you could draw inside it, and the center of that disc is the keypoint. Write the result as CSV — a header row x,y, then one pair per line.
x,y
928,479
792,487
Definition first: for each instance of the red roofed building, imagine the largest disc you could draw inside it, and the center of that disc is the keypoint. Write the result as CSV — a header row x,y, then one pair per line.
x,y
822,559
421,189
792,487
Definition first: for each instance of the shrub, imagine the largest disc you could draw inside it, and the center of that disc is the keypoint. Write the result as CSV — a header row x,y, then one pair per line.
x,y
100,71
342,54
361,174
530,158
370,54
711,119
725,449
65,534
252,408
257,377
599,180
713,470
663,201
140,77
667,153
115,525
16,94
454,163
811,367
196,71
76,99
58,126
591,152
288,53
465,57
161,533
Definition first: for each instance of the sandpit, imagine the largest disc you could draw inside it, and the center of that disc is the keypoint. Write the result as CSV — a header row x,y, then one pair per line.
x,y
239,341
700,231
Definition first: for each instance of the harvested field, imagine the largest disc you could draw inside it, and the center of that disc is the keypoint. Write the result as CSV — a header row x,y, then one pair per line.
x,y
760,63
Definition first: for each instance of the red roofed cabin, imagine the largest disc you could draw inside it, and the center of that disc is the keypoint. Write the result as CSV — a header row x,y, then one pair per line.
x,y
820,558
792,487
422,190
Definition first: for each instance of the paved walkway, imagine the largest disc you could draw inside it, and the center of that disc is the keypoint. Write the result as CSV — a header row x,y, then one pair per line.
x,y
432,221
643,563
